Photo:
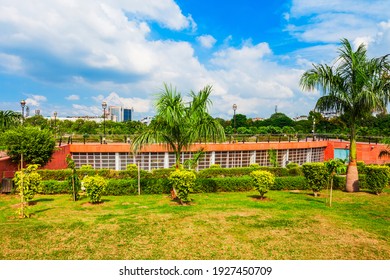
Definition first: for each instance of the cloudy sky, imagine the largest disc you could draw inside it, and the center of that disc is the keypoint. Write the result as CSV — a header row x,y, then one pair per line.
x,y
69,56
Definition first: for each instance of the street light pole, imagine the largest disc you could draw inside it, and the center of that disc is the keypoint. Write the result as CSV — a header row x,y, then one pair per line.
x,y
234,121
23,104
314,126
55,127
104,106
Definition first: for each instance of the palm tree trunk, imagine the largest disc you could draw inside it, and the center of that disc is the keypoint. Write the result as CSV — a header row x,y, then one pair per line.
x,y
352,184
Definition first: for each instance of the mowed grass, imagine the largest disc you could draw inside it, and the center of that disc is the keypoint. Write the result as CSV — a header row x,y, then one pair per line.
x,y
235,226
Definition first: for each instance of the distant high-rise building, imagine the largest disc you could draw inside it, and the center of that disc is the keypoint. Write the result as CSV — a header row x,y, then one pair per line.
x,y
120,114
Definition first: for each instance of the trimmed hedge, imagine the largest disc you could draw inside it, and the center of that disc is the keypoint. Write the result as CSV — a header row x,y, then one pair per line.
x,y
290,183
378,178
53,187
242,171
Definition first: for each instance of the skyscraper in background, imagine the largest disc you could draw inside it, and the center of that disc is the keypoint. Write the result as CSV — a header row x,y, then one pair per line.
x,y
120,114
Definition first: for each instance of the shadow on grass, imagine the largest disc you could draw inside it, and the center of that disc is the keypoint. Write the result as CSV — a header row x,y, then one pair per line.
x,y
258,197
42,200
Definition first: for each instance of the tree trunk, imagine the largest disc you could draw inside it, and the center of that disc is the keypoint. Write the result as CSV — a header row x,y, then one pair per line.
x,y
352,178
352,184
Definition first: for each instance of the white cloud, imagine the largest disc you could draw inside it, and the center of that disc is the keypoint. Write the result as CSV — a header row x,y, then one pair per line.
x,y
113,99
35,100
207,41
73,97
10,63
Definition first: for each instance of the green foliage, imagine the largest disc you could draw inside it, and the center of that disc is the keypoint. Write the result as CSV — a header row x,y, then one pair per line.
x,y
273,157
182,181
254,165
74,183
263,181
377,178
30,179
132,167
121,187
316,176
229,184
215,166
290,183
86,167
54,187
36,145
94,187
291,165
9,119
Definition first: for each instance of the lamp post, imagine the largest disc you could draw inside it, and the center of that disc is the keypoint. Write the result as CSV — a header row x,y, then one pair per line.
x,y
234,122
314,126
23,104
234,117
55,127
104,106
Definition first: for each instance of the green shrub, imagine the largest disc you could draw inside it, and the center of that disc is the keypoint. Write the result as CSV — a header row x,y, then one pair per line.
x,y
228,184
290,183
60,175
182,181
28,182
316,176
94,187
361,167
263,181
254,165
121,187
215,166
54,187
292,165
86,167
155,186
132,167
377,177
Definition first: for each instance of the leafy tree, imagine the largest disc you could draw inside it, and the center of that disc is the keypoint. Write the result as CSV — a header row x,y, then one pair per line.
x,y
241,121
94,187
38,121
74,183
354,86
280,120
9,119
334,166
179,124
263,181
36,145
27,182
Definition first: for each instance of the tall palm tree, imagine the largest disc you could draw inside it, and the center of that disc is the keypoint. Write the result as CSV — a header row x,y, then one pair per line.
x,y
355,86
180,124
9,119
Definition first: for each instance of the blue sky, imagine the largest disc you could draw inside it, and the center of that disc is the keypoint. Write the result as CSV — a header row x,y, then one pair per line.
x,y
69,56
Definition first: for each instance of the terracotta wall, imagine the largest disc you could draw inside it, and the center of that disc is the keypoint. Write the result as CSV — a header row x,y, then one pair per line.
x,y
369,153
8,168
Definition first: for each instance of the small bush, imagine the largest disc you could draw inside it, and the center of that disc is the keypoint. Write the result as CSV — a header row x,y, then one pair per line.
x,y
54,187
182,181
215,166
131,167
94,187
263,181
228,184
121,187
316,176
377,178
290,183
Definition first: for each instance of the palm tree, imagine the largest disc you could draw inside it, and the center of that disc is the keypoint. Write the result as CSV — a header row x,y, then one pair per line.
x,y
385,152
180,124
354,86
9,119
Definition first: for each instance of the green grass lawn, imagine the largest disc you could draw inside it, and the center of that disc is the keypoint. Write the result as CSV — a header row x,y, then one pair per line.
x,y
287,225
